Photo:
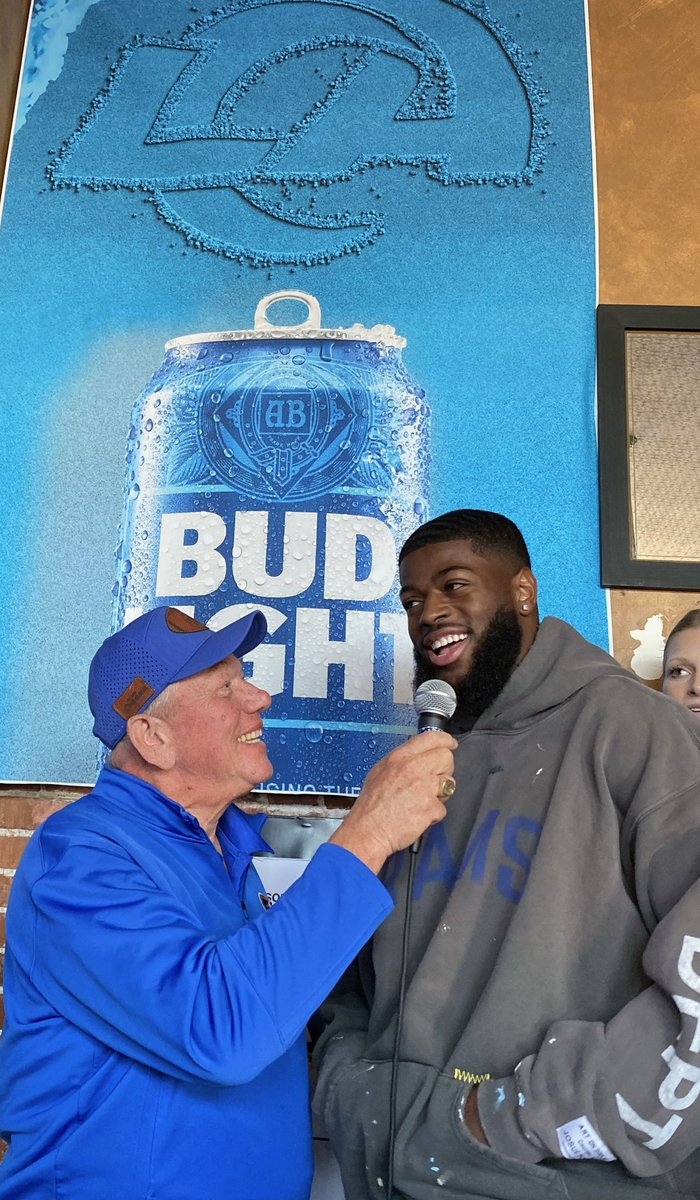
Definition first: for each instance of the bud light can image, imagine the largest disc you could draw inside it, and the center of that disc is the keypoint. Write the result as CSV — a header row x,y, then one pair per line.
x,y
281,468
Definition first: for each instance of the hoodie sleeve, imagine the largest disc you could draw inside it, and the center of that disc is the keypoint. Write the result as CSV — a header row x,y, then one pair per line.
x,y
628,1089
128,964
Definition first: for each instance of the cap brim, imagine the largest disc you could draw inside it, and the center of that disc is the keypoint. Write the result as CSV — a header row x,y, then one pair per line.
x,y
239,638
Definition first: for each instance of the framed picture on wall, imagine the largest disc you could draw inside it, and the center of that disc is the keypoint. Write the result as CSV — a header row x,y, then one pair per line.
x,y
648,442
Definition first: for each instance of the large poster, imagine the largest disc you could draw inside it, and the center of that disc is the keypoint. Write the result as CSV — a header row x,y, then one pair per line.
x,y
366,234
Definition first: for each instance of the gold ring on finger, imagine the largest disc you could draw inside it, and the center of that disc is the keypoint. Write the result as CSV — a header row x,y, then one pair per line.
x,y
448,787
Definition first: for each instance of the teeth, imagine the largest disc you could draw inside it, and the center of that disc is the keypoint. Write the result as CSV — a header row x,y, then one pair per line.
x,y
253,736
447,641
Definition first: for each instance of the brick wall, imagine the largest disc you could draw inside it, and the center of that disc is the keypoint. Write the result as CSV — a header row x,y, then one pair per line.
x,y
22,808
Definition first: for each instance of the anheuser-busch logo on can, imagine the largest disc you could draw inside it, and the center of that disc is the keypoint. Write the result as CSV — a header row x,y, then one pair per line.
x,y
281,468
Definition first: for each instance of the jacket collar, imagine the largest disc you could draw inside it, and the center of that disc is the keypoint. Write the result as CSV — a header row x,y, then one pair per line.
x,y
141,801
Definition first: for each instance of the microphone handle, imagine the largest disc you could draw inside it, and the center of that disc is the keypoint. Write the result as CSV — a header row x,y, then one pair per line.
x,y
427,723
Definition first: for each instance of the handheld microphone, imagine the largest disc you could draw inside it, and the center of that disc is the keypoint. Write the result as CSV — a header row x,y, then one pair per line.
x,y
435,702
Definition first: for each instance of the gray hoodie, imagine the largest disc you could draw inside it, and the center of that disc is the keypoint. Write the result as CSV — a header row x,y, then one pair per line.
x,y
554,956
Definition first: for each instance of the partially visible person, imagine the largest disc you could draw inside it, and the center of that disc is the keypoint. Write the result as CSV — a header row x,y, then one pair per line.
x,y
154,1044
681,680
551,1030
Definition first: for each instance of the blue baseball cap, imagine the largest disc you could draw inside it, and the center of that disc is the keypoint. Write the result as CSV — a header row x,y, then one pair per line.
x,y
137,663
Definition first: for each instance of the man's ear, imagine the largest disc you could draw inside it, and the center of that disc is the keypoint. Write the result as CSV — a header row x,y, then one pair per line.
x,y
525,592
152,738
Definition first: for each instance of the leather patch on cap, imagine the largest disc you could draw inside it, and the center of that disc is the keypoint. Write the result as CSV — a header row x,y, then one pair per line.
x,y
133,698
179,622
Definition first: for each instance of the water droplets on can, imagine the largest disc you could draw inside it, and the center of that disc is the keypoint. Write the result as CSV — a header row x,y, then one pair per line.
x,y
337,441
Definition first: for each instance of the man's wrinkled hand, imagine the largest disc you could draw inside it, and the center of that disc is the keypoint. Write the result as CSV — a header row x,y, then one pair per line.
x,y
403,794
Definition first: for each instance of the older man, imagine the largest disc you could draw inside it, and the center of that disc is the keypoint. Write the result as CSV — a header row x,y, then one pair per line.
x,y
551,1033
154,1043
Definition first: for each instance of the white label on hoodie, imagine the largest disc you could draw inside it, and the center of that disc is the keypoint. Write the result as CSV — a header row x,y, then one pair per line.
x,y
578,1139
276,875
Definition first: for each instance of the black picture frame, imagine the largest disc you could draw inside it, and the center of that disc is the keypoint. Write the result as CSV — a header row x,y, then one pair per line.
x,y
619,566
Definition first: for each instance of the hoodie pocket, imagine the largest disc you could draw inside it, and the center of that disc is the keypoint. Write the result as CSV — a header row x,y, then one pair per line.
x,y
432,1150
433,1147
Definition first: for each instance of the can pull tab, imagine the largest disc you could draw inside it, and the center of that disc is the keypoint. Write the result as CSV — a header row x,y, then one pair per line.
x,y
313,319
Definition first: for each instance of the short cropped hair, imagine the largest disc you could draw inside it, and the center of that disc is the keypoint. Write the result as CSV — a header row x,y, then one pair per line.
x,y
691,620
487,532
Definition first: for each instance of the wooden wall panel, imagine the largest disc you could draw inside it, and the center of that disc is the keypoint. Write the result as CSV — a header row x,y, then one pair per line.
x,y
641,622
645,62
645,57
13,23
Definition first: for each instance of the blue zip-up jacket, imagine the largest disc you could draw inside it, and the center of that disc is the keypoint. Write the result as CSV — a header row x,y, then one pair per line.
x,y
154,1043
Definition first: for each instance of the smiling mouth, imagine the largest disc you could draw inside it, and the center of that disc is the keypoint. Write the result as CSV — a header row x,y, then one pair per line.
x,y
446,649
254,735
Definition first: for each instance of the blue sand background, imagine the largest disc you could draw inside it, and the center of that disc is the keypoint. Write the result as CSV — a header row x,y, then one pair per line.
x,y
472,237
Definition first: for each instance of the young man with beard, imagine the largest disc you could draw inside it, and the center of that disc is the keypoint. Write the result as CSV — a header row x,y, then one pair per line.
x,y
551,1033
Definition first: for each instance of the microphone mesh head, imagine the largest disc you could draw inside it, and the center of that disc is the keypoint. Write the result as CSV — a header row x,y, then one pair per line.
x,y
435,696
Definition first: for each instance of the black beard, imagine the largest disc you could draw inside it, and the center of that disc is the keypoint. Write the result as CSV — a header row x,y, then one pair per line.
x,y
495,655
